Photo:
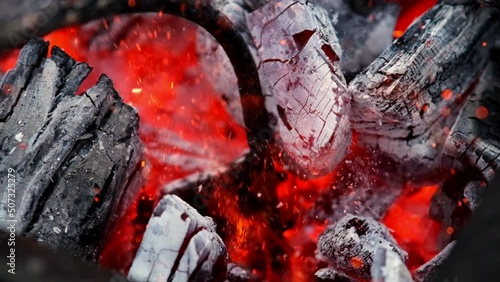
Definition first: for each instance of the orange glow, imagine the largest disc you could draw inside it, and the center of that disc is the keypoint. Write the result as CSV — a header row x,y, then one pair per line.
x,y
412,9
357,262
450,230
397,33
482,112
410,224
447,94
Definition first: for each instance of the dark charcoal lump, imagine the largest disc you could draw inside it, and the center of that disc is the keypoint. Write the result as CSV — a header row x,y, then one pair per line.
x,y
74,156
473,192
350,244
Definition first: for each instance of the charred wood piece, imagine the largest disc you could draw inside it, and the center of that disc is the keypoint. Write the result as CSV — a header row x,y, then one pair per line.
x,y
415,89
351,243
73,156
309,100
179,245
331,275
388,267
426,272
474,140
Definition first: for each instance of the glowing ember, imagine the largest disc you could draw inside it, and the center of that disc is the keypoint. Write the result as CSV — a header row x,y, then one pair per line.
x,y
447,94
412,227
356,262
482,112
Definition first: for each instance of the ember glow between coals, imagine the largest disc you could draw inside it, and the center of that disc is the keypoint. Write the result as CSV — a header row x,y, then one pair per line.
x,y
155,69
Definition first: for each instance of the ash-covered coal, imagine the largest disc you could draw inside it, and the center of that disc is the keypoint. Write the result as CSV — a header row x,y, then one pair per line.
x,y
351,243
179,245
331,275
388,267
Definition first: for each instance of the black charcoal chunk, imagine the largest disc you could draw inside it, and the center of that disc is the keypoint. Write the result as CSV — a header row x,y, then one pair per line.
x,y
474,139
473,192
73,157
398,104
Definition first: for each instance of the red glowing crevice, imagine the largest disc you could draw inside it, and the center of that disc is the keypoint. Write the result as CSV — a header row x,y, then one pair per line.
x,y
411,10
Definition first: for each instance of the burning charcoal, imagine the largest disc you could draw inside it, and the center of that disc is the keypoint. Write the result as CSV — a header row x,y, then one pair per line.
x,y
73,156
374,23
388,267
350,244
474,140
236,273
179,245
473,193
309,97
330,275
426,272
406,98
